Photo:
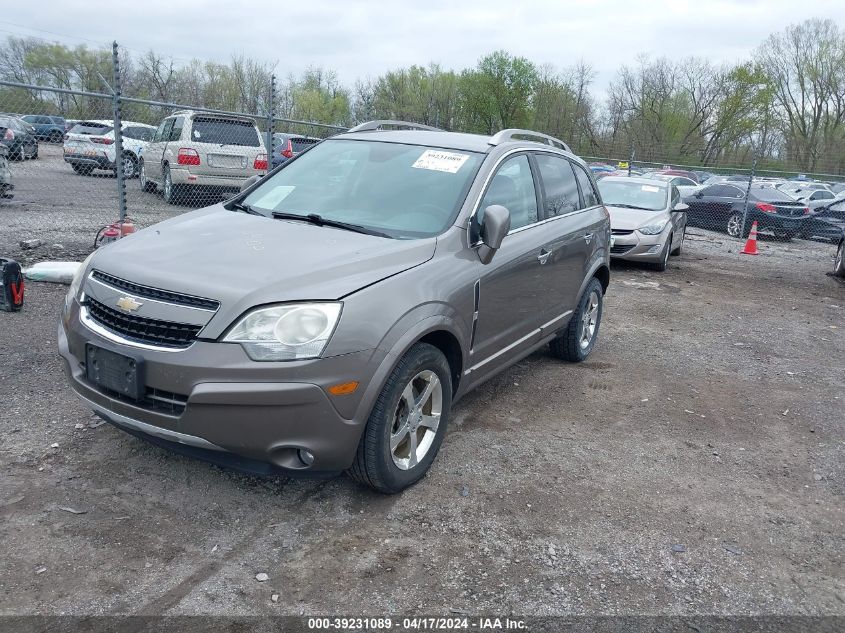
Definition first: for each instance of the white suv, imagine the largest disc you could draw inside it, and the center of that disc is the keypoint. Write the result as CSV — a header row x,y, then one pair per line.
x,y
89,145
202,153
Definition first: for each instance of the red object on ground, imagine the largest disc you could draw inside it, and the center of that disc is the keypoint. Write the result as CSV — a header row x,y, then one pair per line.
x,y
751,244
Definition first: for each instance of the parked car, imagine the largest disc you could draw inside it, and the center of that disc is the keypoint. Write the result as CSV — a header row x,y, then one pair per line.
x,y
685,185
47,128
196,153
90,145
826,223
722,206
6,185
679,172
286,146
839,260
328,317
19,138
647,219
837,187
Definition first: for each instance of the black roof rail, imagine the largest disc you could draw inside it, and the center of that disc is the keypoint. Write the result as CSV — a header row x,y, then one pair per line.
x,y
381,124
511,133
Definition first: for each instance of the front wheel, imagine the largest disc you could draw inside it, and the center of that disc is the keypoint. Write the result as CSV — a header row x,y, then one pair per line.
x,y
576,341
407,423
677,250
839,260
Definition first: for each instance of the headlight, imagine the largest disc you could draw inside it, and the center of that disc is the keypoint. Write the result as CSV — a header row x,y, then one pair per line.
x,y
653,229
286,332
76,282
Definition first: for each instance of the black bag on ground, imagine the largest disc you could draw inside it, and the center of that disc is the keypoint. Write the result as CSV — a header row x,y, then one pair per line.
x,y
11,285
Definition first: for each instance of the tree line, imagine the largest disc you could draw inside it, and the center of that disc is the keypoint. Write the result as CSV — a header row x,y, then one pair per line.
x,y
784,106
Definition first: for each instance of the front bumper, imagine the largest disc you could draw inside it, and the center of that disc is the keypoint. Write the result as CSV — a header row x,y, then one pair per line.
x,y
227,405
635,246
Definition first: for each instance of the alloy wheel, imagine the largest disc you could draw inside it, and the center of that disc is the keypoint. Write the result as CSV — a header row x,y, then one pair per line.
x,y
128,167
416,420
589,321
734,225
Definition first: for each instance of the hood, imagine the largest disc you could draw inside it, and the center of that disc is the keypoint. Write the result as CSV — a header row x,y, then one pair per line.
x,y
622,219
243,260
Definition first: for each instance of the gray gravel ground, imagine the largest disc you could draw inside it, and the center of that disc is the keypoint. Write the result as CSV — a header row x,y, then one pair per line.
x,y
694,465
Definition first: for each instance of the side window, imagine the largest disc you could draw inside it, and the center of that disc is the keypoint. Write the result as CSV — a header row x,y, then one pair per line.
x,y
513,188
733,192
176,132
676,196
591,198
163,131
558,184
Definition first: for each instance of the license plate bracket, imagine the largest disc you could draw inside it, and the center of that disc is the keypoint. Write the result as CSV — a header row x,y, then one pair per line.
x,y
115,372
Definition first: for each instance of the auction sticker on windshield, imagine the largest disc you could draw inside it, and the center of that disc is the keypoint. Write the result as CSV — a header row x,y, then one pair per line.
x,y
440,161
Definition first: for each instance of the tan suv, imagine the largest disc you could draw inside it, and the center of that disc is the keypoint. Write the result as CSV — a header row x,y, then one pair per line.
x,y
197,153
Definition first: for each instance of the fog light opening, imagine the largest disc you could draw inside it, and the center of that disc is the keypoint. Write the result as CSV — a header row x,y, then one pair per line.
x,y
306,457
654,249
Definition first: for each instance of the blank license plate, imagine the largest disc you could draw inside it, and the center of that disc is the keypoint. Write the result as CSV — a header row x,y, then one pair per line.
x,y
115,372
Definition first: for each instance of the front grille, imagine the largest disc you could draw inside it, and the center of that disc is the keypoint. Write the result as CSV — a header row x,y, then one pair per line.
x,y
621,232
156,400
620,249
155,293
141,329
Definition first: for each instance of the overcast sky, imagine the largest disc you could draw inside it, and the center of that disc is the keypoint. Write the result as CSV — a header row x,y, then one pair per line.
x,y
360,38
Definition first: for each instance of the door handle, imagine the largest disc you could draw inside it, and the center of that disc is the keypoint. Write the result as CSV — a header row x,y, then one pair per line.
x,y
588,237
543,257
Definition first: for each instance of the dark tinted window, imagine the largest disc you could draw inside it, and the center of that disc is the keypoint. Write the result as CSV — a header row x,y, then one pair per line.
x,y
301,144
558,184
513,188
138,133
91,128
732,192
176,132
591,199
712,190
57,120
224,132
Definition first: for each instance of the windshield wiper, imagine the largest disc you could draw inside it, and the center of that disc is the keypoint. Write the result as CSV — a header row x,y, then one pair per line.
x,y
245,208
629,206
319,220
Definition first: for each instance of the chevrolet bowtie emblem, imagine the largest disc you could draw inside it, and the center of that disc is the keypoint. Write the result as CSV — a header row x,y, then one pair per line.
x,y
128,304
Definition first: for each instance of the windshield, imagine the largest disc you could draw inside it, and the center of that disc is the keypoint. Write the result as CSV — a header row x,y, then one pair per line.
x,y
404,191
624,193
225,132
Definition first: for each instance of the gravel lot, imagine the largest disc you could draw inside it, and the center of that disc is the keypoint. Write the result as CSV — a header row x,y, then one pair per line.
x,y
694,465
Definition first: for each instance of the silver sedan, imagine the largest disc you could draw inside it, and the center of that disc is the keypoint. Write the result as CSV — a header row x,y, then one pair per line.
x,y
647,219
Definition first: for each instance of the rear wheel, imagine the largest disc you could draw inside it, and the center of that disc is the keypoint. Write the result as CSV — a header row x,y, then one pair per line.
x,y
734,226
407,423
576,341
172,193
839,260
130,165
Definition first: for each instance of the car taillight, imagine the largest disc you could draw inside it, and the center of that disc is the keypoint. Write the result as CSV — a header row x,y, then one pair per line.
x,y
188,156
765,207
260,162
9,135
288,151
101,141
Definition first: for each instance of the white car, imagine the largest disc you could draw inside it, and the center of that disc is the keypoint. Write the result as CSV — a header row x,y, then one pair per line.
x,y
686,186
89,145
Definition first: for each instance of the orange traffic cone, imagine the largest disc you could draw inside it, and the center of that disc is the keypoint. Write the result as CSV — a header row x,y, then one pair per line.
x,y
751,244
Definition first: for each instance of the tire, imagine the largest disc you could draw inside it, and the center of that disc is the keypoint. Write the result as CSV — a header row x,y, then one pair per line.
x,y
390,470
84,170
677,250
56,137
734,225
839,260
172,193
146,185
570,343
664,256
130,166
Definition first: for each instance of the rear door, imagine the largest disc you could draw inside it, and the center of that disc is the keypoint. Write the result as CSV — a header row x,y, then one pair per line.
x,y
227,147
512,289
567,244
154,152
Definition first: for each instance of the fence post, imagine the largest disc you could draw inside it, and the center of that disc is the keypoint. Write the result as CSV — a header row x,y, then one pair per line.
x,y
748,193
118,133
631,159
271,116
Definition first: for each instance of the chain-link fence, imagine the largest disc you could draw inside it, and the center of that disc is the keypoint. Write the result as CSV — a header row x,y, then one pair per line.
x,y
83,166
88,165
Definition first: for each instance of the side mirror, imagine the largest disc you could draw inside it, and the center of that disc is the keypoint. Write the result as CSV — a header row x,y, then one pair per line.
x,y
246,184
680,207
494,228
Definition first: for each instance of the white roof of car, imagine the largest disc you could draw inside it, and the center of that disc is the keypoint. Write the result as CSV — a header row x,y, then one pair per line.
x,y
110,122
